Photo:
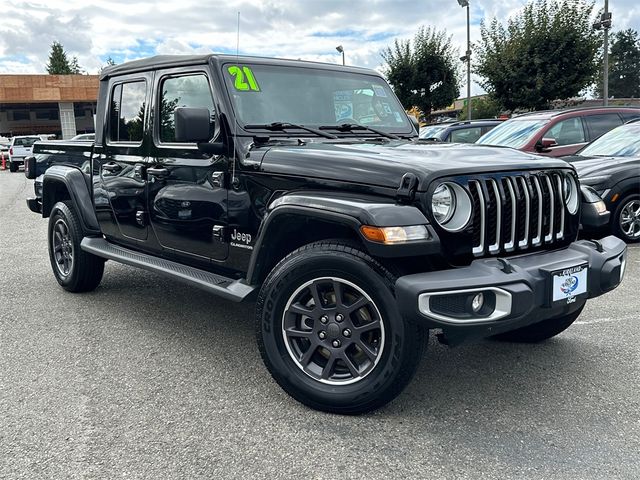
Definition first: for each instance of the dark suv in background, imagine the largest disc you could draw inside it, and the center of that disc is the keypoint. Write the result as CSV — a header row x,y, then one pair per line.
x,y
467,131
558,132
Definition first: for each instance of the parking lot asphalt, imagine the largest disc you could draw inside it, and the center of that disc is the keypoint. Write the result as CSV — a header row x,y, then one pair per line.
x,y
148,378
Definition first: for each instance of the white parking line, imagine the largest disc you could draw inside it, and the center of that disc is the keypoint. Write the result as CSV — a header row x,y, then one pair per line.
x,y
605,320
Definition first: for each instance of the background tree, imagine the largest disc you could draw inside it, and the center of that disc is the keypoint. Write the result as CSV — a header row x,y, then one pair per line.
x,y
547,51
59,63
423,72
109,63
624,66
482,107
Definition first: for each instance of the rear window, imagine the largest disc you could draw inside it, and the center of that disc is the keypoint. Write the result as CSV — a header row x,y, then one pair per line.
x,y
601,124
25,142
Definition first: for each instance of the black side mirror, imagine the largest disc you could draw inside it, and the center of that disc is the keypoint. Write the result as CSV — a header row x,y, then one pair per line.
x,y
30,167
192,124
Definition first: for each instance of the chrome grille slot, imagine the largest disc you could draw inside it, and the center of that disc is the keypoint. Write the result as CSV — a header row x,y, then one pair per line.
x,y
516,212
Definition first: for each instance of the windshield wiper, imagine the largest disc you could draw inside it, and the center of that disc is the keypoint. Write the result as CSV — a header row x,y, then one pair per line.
x,y
349,127
280,127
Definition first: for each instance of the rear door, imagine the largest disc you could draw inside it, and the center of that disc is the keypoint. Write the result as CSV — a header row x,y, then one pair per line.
x,y
119,169
187,189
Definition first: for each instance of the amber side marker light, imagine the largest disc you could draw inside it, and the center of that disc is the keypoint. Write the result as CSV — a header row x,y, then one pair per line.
x,y
391,235
615,197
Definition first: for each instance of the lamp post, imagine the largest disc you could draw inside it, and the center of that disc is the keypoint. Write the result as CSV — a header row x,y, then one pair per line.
x,y
341,50
467,57
605,24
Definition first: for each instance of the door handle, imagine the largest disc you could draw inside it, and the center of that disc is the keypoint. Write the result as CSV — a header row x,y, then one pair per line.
x,y
158,172
111,167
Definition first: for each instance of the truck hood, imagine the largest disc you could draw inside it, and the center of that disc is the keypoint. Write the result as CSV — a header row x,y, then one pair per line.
x,y
596,166
385,164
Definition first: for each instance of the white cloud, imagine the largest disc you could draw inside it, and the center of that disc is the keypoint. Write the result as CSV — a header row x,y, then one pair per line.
x,y
307,29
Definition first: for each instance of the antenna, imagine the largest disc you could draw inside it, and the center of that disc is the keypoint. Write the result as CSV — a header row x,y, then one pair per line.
x,y
235,133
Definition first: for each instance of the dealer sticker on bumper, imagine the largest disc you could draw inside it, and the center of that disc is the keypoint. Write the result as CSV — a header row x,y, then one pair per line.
x,y
570,283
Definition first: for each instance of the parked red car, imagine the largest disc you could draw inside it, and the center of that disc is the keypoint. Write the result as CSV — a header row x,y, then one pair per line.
x,y
558,132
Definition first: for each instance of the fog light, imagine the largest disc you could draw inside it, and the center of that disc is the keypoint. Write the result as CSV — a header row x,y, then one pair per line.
x,y
477,302
601,207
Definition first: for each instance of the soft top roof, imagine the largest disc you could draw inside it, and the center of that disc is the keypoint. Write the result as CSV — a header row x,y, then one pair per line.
x,y
169,61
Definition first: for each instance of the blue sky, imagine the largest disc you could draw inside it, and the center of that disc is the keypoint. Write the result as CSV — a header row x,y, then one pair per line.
x,y
94,30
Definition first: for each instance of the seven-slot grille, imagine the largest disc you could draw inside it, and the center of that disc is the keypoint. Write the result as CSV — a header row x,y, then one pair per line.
x,y
517,212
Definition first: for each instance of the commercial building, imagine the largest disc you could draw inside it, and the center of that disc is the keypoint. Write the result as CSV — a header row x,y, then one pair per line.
x,y
61,105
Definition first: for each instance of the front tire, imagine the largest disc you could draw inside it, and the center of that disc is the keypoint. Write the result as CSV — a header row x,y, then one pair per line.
x,y
540,331
626,219
74,269
330,333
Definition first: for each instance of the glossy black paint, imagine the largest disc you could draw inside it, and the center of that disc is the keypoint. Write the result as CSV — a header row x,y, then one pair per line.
x,y
169,199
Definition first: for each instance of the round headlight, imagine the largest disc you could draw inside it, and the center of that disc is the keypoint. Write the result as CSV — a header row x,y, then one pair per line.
x,y
451,206
570,193
443,203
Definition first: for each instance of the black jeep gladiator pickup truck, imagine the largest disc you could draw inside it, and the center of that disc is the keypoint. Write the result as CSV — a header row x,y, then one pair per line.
x,y
304,184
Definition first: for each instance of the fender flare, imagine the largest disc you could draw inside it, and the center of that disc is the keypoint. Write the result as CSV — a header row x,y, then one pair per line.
x,y
347,211
75,183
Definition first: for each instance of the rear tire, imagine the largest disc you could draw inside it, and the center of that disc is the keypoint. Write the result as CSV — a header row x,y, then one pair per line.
x,y
540,331
74,269
350,354
13,167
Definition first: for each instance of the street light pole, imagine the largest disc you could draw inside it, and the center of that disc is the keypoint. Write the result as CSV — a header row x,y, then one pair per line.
x,y
605,24
340,49
605,80
467,57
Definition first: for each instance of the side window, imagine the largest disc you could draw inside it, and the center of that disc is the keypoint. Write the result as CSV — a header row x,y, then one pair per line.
x,y
466,135
186,91
626,116
601,124
567,132
126,117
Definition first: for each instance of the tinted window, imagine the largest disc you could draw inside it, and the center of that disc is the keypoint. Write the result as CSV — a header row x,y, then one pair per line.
x,y
465,135
188,91
626,116
25,142
127,112
567,132
599,124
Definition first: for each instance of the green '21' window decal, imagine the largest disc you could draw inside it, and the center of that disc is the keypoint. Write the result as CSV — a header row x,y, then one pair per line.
x,y
244,80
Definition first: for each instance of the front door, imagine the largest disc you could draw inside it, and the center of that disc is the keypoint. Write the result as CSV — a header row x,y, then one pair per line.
x,y
187,190
118,168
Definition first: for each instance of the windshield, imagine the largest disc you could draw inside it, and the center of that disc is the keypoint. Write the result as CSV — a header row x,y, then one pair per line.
x,y
623,141
431,131
264,94
512,133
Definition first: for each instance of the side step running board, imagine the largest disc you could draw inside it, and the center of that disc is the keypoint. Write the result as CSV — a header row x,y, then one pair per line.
x,y
235,290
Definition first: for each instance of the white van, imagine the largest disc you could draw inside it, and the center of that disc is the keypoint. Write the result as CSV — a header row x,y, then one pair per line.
x,y
20,148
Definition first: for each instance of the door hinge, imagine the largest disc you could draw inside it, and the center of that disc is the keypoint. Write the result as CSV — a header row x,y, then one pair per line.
x,y
217,179
407,188
218,232
141,218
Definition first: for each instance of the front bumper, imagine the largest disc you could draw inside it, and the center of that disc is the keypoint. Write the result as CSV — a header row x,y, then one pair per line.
x,y
521,287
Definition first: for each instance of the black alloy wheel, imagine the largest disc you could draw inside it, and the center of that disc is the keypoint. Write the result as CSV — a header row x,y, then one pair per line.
x,y
333,331
62,247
